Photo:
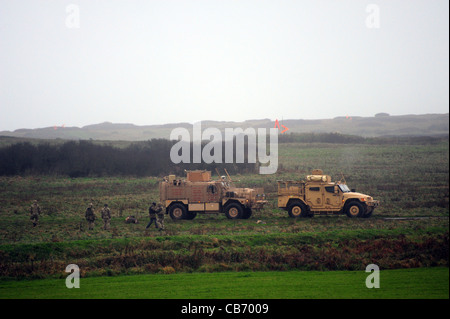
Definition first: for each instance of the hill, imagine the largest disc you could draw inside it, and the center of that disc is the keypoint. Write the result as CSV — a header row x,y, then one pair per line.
x,y
380,125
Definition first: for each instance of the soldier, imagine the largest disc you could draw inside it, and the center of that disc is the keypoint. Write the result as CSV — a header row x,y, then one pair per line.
x,y
160,219
152,213
131,220
35,211
90,216
106,216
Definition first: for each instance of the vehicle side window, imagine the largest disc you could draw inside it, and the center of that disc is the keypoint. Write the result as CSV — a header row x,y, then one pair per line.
x,y
212,189
329,189
314,189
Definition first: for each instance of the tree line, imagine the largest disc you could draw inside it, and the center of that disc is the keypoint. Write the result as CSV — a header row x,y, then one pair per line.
x,y
85,158
149,158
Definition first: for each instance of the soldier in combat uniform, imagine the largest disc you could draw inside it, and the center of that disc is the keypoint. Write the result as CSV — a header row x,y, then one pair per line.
x,y
152,212
35,211
106,216
90,216
131,220
160,216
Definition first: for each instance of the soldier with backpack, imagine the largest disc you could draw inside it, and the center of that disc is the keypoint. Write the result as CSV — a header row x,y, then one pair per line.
x,y
106,216
90,216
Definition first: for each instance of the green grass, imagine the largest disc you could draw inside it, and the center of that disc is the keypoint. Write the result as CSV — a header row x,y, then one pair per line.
x,y
417,283
323,248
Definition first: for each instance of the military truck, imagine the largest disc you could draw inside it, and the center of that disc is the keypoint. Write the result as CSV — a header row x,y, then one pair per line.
x,y
318,195
184,198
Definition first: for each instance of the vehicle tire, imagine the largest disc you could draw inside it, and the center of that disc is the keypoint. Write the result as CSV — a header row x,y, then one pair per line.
x,y
355,209
298,209
190,215
177,211
234,211
247,213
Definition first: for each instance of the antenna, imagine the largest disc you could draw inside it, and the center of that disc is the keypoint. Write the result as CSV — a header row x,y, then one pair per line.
x,y
218,174
343,178
228,174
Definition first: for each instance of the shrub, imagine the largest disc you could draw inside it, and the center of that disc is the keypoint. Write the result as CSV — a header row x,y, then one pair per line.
x,y
167,270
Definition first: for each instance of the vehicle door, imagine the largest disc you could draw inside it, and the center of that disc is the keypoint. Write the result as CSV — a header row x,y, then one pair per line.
x,y
332,198
314,197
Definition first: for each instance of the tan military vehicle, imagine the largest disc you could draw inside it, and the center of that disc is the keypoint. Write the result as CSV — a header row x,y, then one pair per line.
x,y
318,195
197,193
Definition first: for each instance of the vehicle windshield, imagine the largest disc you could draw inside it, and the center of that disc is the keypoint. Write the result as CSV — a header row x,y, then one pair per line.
x,y
344,188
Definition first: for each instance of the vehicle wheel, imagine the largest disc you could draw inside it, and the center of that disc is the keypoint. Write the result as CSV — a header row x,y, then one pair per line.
x,y
247,213
190,215
297,209
177,211
234,211
355,209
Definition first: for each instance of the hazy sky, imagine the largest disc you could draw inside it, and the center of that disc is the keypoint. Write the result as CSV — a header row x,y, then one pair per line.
x,y
154,62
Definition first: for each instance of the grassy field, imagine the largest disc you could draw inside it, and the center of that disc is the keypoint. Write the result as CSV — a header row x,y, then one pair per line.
x,y
417,283
411,181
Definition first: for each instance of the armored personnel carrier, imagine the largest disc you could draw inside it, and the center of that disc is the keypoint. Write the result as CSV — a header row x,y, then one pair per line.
x,y
185,198
319,195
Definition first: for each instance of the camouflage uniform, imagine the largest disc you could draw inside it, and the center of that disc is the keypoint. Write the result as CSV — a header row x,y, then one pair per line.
x,y
131,220
106,216
90,216
35,211
152,212
160,218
